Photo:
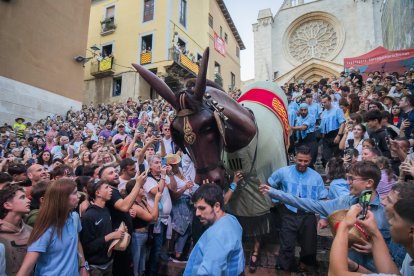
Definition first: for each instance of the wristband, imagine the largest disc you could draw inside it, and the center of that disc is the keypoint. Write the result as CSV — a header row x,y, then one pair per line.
x,y
233,186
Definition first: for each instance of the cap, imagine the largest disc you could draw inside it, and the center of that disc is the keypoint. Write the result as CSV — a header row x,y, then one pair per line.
x,y
19,118
369,79
304,105
120,244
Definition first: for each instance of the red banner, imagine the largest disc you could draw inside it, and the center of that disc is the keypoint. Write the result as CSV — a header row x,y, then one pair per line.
x,y
219,44
273,103
379,55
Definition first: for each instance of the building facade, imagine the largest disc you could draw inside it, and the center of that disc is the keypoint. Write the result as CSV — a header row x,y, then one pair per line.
x,y
167,37
309,40
398,24
38,74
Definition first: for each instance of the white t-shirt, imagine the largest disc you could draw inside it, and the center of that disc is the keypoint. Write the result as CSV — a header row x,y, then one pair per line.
x,y
188,167
165,198
122,183
167,145
181,183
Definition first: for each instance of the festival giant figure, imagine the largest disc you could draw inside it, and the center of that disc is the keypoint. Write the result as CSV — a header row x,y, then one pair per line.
x,y
223,136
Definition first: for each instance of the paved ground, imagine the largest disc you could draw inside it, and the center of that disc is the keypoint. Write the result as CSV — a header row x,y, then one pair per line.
x,y
267,260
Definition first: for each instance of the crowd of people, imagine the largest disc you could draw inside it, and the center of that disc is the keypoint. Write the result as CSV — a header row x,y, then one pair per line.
x,y
105,191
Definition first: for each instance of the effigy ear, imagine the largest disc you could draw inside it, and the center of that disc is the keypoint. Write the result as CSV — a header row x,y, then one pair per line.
x,y
200,86
158,85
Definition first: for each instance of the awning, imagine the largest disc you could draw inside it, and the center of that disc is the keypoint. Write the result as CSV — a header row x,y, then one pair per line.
x,y
383,60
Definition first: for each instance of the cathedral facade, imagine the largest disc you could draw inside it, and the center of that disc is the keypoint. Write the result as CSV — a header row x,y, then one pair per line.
x,y
308,40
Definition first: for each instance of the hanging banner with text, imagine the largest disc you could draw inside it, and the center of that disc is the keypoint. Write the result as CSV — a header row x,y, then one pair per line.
x,y
219,44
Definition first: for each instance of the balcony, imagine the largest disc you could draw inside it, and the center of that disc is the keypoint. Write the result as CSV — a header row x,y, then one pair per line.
x,y
182,60
102,68
146,58
108,26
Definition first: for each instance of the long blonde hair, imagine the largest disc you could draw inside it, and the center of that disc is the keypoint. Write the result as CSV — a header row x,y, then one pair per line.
x,y
54,210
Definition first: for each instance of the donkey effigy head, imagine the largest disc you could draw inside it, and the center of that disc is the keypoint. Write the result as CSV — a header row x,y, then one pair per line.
x,y
201,123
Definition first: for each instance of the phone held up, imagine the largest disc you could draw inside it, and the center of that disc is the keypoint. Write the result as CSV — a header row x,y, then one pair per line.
x,y
364,200
163,161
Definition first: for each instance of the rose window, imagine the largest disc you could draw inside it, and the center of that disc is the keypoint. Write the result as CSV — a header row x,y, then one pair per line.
x,y
313,39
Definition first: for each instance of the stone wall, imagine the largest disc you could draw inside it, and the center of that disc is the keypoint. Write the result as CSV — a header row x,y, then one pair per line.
x,y
99,90
355,24
398,24
31,103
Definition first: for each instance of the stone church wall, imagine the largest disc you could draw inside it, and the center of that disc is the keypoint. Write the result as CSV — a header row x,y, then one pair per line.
x,y
398,24
345,28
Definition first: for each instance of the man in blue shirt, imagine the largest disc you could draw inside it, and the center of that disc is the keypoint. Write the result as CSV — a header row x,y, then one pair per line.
x,y
219,251
363,175
332,127
314,108
305,131
303,182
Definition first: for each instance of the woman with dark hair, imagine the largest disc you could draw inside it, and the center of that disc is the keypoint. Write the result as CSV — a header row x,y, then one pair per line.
x,y
371,154
354,103
395,111
54,246
388,179
336,177
368,144
45,159
356,142
38,146
143,216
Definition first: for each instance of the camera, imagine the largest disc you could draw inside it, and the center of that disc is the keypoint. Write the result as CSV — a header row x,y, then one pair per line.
x,y
155,133
349,151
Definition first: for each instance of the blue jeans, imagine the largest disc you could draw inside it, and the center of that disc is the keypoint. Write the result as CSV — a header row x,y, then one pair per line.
x,y
181,240
158,241
139,251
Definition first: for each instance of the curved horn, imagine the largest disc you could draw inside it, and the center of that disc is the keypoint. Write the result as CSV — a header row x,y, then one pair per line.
x,y
158,85
200,86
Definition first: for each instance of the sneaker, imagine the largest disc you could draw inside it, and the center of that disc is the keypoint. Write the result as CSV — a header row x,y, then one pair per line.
x,y
164,257
181,260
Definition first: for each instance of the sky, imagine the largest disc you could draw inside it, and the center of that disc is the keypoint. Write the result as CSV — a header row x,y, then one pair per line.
x,y
244,14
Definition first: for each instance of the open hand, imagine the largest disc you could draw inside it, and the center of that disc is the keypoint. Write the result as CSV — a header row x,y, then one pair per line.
x,y
264,188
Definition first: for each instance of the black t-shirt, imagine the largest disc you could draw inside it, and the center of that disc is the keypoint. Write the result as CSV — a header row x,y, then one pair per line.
x,y
118,216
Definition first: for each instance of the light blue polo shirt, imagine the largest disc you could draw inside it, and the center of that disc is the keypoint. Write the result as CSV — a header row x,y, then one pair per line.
x,y
58,256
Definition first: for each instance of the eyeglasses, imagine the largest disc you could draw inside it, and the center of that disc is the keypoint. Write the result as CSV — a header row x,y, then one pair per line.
x,y
353,178
396,107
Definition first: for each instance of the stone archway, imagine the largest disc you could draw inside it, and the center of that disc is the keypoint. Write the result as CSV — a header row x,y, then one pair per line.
x,y
312,70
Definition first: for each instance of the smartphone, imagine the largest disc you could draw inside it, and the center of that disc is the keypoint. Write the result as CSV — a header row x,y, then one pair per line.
x,y
404,116
163,161
141,129
155,133
364,200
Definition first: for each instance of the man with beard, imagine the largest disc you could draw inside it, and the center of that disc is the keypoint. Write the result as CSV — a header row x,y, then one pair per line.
x,y
305,131
301,181
219,251
363,175
119,208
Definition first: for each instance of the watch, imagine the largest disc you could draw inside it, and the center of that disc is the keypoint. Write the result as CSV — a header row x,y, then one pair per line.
x,y
86,266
